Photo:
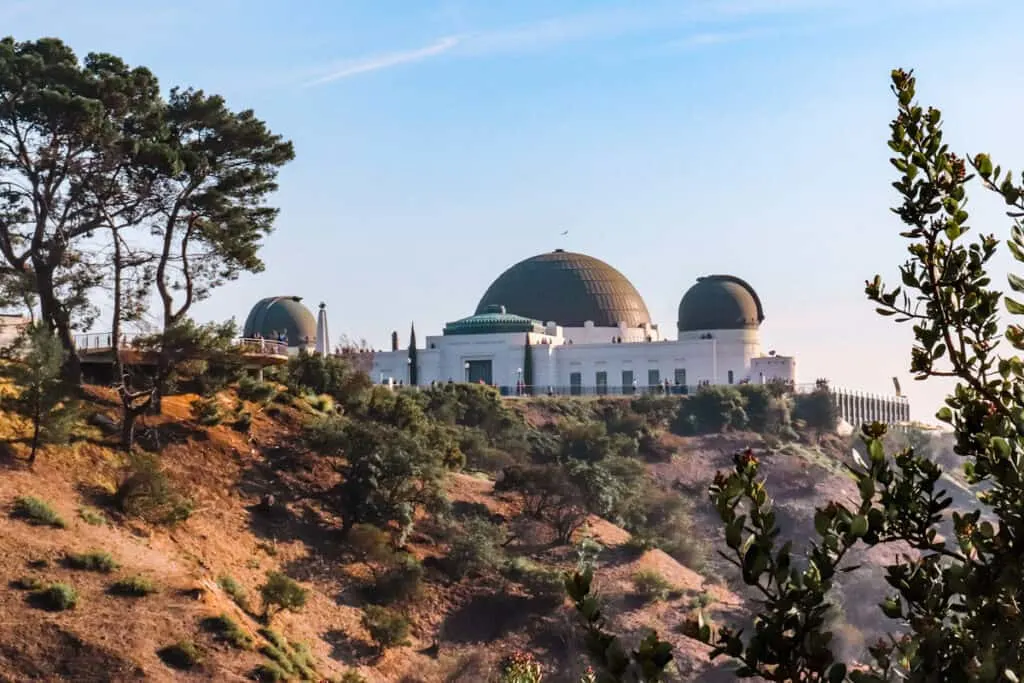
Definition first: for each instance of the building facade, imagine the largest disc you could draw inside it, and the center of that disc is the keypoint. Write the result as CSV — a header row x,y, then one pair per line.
x,y
587,330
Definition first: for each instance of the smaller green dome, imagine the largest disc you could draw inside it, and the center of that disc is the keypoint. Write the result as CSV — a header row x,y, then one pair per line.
x,y
281,314
720,302
493,320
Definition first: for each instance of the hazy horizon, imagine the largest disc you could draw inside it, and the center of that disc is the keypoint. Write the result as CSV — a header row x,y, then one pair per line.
x,y
440,142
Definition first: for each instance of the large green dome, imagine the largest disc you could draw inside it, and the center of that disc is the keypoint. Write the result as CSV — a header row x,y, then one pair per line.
x,y
569,289
276,314
720,302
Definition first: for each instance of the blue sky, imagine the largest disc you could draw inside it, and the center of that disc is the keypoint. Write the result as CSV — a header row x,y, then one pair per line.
x,y
440,142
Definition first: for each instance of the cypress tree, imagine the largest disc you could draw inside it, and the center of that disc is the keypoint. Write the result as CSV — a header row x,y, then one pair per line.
x,y
413,369
528,367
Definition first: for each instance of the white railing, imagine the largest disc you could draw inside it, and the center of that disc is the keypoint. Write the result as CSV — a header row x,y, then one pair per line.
x,y
103,341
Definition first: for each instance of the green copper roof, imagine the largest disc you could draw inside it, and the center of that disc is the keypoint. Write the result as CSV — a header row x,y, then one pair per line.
x,y
494,320
569,289
720,302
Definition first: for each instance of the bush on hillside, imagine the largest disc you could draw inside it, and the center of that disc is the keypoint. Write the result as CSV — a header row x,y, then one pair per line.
x,y
146,492
251,389
711,410
207,411
281,592
817,410
475,548
56,597
766,413
387,627
37,511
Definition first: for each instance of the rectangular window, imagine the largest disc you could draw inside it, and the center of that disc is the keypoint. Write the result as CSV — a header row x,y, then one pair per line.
x,y
627,382
730,377
680,387
653,378
602,382
575,383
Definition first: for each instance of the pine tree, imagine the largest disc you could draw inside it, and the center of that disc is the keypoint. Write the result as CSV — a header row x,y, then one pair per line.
x,y
414,372
44,397
528,367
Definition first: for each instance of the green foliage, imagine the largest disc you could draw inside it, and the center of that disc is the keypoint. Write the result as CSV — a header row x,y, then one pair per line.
x,y
711,410
414,364
228,630
332,375
234,590
146,492
282,592
36,511
27,583
542,583
528,367
183,655
389,472
400,582
954,600
57,597
387,627
767,413
251,389
352,676
657,518
207,411
133,587
93,516
92,561
651,585
817,410
475,548
647,663
43,396
269,672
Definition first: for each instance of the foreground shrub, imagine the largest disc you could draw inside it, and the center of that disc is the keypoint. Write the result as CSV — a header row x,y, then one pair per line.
x,y
542,583
207,411
282,592
228,630
36,511
400,582
146,492
476,548
56,597
183,655
651,585
234,590
387,627
132,587
251,389
92,561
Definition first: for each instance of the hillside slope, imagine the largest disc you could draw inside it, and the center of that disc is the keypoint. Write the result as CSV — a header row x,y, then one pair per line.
x,y
461,629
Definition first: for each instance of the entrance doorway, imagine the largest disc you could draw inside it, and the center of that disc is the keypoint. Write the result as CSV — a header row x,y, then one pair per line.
x,y
480,371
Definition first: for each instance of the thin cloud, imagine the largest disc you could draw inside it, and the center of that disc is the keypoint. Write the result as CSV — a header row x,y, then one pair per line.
x,y
386,61
715,16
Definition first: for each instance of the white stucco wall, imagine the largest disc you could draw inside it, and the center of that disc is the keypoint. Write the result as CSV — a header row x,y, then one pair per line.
x,y
713,356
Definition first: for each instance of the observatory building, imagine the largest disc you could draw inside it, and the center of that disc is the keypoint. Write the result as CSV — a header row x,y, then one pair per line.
x,y
568,323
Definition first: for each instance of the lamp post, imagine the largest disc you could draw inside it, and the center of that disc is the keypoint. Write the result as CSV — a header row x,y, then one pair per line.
x,y
408,371
465,366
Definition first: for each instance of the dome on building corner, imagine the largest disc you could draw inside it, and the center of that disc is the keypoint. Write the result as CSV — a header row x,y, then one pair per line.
x,y
281,314
569,289
720,302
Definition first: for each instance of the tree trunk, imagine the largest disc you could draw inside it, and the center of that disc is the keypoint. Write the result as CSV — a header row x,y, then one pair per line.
x,y
51,312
